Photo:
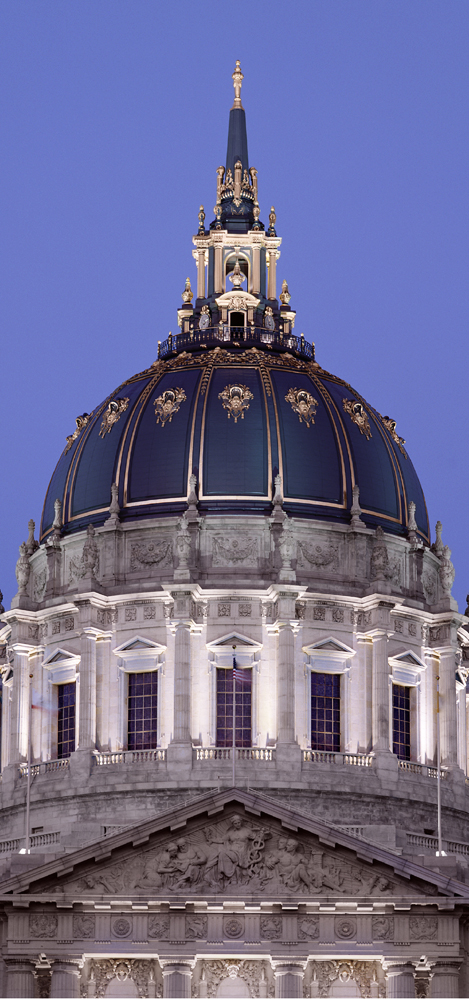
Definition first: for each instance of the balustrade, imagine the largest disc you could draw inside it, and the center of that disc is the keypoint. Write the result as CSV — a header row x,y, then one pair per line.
x,y
244,336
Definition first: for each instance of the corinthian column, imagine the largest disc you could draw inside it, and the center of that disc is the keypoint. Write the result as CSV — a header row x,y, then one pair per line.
x,y
182,683
285,684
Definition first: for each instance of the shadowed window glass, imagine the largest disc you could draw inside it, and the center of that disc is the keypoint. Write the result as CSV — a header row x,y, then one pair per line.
x,y
142,709
325,712
401,721
66,720
243,693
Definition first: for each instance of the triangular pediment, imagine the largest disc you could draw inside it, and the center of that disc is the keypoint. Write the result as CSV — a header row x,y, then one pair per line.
x,y
231,845
233,639
59,656
137,643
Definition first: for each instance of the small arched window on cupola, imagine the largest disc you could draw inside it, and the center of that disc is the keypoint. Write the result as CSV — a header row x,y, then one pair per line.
x,y
239,265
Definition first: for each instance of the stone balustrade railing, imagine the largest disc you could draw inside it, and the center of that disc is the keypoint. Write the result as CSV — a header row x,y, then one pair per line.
x,y
242,753
15,845
103,758
45,767
326,757
421,769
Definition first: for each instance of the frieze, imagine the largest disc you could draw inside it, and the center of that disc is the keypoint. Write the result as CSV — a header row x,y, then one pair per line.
x,y
233,927
345,927
196,926
151,554
271,928
318,556
121,927
235,852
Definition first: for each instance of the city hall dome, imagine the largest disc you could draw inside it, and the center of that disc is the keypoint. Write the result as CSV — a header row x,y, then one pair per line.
x,y
235,408
236,400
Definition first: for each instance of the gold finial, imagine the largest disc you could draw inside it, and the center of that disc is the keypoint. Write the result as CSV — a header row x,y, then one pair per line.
x,y
237,84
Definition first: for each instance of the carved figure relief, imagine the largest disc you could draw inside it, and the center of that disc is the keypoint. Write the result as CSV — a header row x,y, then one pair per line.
x,y
235,400
429,585
382,567
81,422
251,972
318,556
390,424
43,925
112,414
358,416
228,551
168,404
158,927
196,926
423,928
147,554
83,925
308,928
271,928
382,928
88,564
102,971
232,853
303,404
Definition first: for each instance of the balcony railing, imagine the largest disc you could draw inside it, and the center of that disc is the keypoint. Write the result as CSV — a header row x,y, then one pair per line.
x,y
45,767
242,753
326,757
421,769
236,336
103,758
14,844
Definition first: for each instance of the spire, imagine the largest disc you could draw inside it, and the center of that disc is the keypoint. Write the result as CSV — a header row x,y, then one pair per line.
x,y
237,150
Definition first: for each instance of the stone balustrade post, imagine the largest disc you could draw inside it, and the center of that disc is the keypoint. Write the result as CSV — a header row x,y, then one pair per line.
x,y
399,978
87,721
445,979
20,977
65,978
177,978
289,979
448,707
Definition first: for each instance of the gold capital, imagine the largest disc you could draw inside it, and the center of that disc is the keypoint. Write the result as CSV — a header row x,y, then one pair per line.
x,y
237,84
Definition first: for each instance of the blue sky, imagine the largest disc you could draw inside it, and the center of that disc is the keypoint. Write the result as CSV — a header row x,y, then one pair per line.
x,y
114,119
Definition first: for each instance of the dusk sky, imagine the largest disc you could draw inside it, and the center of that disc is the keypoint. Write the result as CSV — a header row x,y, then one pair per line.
x,y
114,117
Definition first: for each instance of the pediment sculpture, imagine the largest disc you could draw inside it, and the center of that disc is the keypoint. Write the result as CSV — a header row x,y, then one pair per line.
x,y
232,855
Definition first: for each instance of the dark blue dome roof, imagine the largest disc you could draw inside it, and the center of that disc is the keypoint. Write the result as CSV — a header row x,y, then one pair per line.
x,y
235,419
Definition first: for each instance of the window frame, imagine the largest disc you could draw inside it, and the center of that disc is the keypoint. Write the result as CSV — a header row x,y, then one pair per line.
x,y
220,654
329,656
138,655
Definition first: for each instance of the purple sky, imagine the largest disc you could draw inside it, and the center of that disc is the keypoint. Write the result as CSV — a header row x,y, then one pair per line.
x,y
114,119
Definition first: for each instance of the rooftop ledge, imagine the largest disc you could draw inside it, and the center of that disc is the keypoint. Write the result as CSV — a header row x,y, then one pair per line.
x,y
237,337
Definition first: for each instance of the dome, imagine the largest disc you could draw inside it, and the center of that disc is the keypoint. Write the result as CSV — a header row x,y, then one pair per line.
x,y
236,417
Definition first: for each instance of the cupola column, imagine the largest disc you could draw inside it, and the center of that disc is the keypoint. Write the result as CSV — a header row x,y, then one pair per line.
x,y
448,707
200,273
87,723
218,269
272,283
256,270
380,688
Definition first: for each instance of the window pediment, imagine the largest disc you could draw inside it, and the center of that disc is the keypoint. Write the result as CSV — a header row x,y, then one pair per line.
x,y
406,668
139,654
329,655
62,666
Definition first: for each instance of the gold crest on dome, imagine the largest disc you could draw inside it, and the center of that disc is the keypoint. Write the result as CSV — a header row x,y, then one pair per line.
x,y
304,404
358,415
81,422
235,399
390,424
112,414
168,404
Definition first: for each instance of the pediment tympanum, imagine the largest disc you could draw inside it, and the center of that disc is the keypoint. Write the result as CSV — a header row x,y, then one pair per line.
x,y
235,845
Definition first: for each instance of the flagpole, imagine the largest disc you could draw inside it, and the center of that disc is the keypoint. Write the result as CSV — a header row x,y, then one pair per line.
x,y
28,785
234,721
438,764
